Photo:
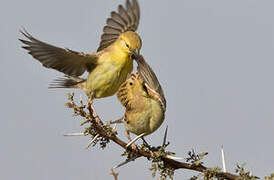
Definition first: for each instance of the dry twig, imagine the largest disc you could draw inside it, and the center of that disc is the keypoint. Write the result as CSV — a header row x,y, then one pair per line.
x,y
98,129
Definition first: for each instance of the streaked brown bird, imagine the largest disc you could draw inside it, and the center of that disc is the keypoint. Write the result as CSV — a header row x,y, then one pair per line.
x,y
108,67
144,102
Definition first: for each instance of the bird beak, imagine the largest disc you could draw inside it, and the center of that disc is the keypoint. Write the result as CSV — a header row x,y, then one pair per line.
x,y
135,54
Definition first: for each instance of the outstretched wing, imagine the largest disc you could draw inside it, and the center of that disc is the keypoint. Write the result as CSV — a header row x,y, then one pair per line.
x,y
126,19
64,60
148,75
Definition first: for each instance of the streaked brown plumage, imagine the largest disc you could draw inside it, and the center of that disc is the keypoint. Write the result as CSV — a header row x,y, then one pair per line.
x,y
143,99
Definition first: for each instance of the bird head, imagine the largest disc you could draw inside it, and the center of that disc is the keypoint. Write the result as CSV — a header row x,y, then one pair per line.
x,y
132,91
136,86
131,43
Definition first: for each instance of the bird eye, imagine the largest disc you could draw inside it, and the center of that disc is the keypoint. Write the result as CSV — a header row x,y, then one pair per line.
x,y
127,45
131,83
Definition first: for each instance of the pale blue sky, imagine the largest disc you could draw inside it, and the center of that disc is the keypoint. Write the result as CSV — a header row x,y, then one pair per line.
x,y
213,58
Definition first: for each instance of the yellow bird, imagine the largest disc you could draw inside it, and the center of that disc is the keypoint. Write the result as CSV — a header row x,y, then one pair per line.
x,y
144,101
108,68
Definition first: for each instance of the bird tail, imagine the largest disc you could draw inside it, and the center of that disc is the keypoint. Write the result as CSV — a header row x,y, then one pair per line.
x,y
68,82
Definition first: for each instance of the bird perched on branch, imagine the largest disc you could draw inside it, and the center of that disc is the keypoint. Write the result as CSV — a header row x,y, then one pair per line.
x,y
108,67
144,101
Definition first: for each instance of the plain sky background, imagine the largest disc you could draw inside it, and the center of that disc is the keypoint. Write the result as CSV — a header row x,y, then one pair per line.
x,y
214,59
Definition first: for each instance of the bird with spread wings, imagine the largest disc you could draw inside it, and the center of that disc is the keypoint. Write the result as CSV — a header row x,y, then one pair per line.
x,y
108,67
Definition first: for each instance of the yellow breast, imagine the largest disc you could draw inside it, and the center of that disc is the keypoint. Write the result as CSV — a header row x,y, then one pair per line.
x,y
146,119
110,73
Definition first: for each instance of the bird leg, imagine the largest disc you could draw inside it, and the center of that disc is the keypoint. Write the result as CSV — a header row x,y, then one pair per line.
x,y
90,102
145,143
151,148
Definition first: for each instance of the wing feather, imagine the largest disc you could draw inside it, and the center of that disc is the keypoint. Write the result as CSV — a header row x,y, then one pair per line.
x,y
126,19
118,18
150,78
124,15
64,60
111,30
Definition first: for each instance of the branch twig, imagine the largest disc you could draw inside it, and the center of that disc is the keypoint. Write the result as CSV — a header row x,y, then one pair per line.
x,y
115,175
102,131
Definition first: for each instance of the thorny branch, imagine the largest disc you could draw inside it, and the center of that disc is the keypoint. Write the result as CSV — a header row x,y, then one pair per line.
x,y
161,160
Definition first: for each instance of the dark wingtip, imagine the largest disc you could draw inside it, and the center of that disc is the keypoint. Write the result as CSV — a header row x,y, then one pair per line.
x,y
25,47
22,40
120,6
25,33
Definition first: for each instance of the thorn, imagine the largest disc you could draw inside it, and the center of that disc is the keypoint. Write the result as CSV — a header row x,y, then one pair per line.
x,y
223,158
165,136
75,134
121,164
135,139
174,157
92,141
125,162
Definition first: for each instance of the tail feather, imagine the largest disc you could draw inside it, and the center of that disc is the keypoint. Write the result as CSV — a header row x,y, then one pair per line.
x,y
67,82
